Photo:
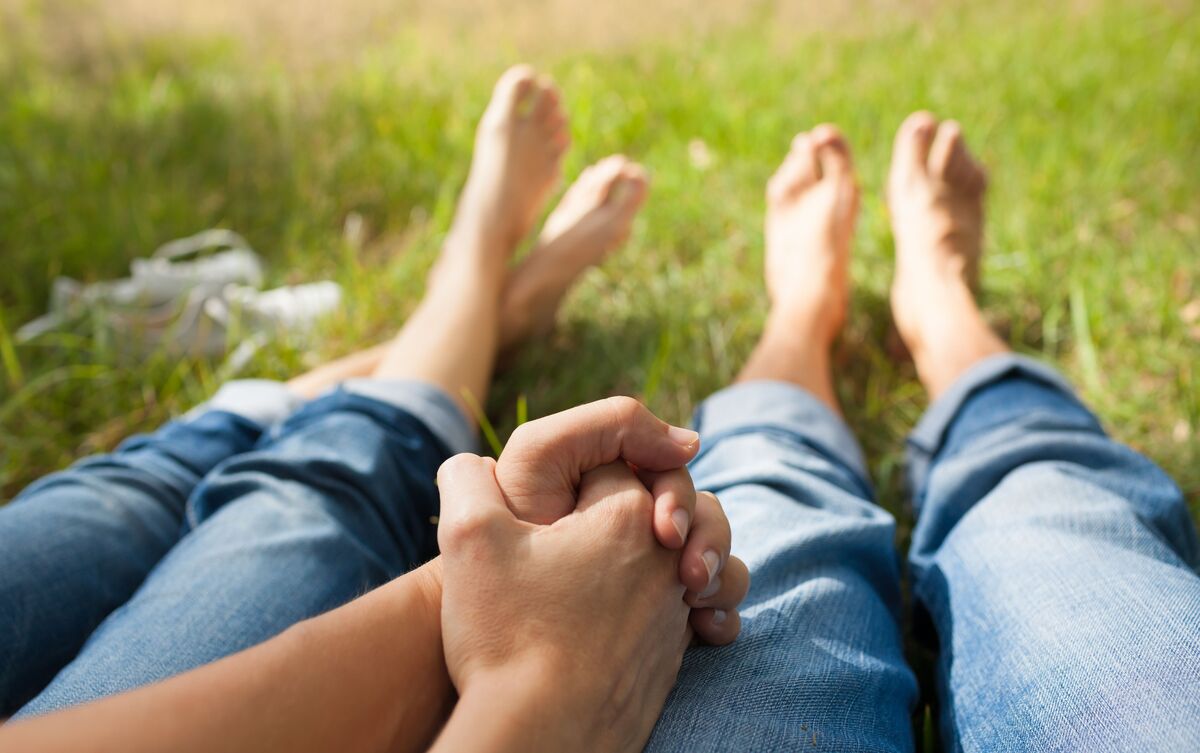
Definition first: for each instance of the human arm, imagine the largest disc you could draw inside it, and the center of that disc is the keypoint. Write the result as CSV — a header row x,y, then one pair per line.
x,y
368,676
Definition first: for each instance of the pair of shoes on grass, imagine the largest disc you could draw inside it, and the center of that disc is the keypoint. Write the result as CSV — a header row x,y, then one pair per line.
x,y
194,296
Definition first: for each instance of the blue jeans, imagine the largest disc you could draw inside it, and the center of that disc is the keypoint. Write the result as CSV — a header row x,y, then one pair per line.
x,y
214,534
1058,567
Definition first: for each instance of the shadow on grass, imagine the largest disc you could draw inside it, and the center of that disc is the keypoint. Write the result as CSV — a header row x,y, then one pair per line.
x,y
582,361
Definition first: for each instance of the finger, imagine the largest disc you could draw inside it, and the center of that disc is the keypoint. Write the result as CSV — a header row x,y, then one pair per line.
x,y
715,627
471,500
727,589
541,466
708,544
612,481
674,504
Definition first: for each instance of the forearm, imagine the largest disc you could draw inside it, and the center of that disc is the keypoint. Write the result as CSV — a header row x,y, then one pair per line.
x,y
366,677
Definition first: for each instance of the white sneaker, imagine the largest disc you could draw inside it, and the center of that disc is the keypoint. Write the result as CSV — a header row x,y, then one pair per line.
x,y
157,286
192,307
222,257
291,309
210,323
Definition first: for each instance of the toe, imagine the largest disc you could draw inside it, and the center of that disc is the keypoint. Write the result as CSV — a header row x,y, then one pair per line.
x,y
833,153
962,170
607,168
514,87
804,152
799,170
591,188
604,175
547,100
910,153
630,189
946,151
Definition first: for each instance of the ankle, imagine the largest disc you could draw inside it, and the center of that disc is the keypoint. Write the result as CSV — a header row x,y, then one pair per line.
x,y
790,351
946,339
814,322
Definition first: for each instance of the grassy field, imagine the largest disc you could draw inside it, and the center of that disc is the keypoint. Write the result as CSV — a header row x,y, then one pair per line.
x,y
127,123
121,131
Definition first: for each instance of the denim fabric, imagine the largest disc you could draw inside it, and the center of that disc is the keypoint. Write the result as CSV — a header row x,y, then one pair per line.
x,y
75,545
819,664
1059,568
335,501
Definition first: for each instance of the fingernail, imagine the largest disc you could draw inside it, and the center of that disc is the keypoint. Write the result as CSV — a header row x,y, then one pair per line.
x,y
713,587
683,437
718,616
680,519
712,562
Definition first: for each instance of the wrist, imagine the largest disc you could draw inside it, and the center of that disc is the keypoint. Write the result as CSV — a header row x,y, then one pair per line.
x,y
427,586
525,705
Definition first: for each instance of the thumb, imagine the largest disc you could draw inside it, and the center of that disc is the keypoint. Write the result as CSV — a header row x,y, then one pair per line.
x,y
544,460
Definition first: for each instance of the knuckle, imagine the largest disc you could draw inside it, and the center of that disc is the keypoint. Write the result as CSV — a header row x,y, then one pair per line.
x,y
624,408
524,435
681,480
632,507
464,532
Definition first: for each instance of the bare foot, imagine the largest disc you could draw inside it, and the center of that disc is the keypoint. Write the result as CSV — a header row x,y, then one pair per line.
x,y
519,147
593,218
935,196
812,205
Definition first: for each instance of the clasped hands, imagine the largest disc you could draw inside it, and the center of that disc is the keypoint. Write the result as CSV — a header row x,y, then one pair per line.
x,y
574,572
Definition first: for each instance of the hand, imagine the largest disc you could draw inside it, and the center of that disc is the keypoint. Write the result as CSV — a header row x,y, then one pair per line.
x,y
540,470
576,628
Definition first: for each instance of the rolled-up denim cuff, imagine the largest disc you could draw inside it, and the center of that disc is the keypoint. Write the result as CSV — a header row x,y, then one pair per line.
x,y
263,401
766,405
926,440
431,405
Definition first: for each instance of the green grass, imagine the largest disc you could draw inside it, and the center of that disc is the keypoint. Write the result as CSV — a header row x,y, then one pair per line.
x,y
1088,119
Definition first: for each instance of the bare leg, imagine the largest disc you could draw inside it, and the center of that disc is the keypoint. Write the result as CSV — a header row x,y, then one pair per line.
x,y
935,194
450,341
593,218
812,204
360,363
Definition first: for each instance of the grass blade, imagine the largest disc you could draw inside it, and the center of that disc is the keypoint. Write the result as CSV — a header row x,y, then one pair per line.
x,y
8,354
485,426
1085,346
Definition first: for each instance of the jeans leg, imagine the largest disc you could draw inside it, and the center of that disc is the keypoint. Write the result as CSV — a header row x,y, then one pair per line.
x,y
76,544
1059,568
332,503
819,664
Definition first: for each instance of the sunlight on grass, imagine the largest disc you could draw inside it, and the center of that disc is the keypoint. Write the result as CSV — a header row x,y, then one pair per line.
x,y
1086,116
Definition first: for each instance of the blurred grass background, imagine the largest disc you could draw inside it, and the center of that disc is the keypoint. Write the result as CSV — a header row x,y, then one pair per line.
x,y
127,123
